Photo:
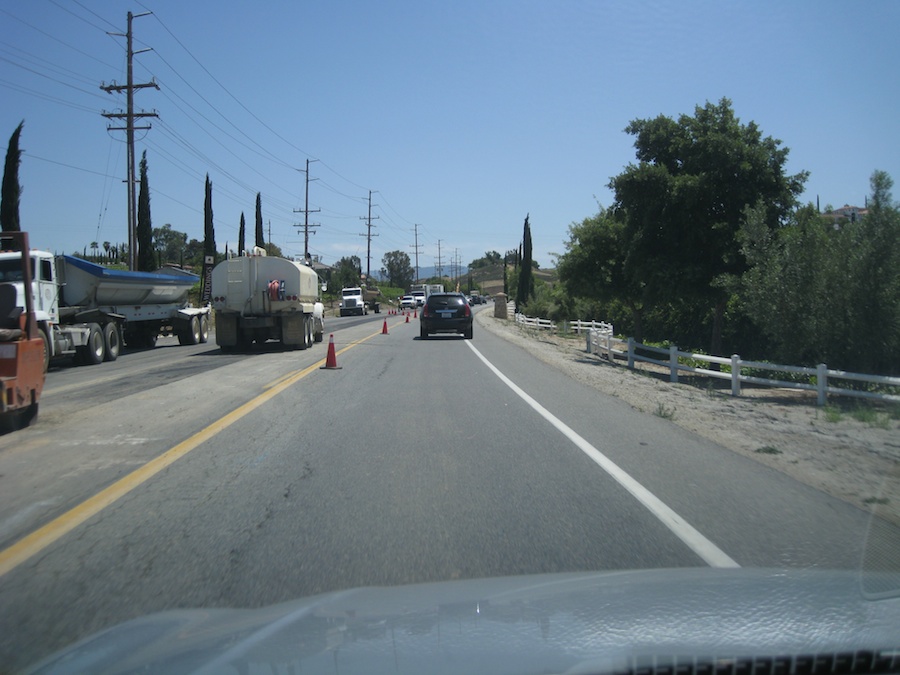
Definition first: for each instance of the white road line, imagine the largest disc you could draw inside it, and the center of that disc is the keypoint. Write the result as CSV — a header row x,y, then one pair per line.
x,y
703,547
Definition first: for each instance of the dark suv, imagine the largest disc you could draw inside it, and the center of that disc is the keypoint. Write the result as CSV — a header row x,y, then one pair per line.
x,y
446,313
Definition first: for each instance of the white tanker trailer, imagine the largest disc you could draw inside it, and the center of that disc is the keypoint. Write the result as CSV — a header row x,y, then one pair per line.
x,y
258,298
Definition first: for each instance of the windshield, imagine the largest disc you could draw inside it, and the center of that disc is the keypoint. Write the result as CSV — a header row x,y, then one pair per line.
x,y
660,244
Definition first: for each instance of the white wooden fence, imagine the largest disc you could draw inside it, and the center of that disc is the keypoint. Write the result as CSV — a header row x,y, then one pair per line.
x,y
600,341
530,322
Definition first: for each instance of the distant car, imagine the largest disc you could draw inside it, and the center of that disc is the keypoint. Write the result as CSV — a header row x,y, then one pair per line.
x,y
408,302
446,313
419,296
477,299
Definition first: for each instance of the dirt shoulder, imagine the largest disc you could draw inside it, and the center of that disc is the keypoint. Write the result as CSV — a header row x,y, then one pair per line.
x,y
832,451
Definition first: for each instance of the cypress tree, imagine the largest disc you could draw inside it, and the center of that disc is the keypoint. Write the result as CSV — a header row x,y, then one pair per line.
x,y
525,290
145,261
260,237
11,190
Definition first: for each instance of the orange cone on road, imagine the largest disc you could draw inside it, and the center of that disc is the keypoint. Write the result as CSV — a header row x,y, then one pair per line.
x,y
384,330
331,359
407,318
415,314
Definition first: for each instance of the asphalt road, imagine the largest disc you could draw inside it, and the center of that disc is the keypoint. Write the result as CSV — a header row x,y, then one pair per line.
x,y
240,480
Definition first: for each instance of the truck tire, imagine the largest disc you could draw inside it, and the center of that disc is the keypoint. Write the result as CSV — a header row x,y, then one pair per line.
x,y
46,342
95,350
112,340
204,329
191,334
14,420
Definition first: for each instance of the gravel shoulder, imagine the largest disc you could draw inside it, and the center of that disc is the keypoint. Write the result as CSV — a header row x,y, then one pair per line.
x,y
858,462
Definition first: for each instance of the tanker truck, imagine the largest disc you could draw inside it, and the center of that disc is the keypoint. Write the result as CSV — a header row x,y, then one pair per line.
x,y
258,298
88,311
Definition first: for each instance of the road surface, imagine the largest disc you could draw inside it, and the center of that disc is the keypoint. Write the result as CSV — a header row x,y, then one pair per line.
x,y
185,477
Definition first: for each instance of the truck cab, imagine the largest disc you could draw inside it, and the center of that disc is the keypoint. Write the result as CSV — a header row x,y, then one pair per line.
x,y
353,302
45,289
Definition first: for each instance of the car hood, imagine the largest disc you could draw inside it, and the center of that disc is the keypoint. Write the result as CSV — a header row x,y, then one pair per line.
x,y
573,623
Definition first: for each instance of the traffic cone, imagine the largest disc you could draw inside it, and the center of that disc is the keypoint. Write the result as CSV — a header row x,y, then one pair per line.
x,y
407,318
415,314
384,330
331,359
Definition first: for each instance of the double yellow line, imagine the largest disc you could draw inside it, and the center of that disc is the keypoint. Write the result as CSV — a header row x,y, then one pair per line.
x,y
37,541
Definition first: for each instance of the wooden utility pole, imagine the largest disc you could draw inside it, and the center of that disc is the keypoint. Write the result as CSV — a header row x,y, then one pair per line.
x,y
369,236
129,115
306,211
417,246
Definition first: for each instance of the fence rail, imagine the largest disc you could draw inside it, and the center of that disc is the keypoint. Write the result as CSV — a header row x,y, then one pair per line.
x,y
600,341
533,322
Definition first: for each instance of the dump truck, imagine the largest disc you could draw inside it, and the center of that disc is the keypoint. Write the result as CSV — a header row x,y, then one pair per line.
x,y
359,300
258,298
88,311
22,348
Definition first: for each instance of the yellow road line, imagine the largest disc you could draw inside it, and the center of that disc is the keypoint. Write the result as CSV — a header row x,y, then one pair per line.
x,y
37,541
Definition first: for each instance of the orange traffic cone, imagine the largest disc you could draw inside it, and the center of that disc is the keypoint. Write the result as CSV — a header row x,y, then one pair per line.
x,y
415,314
331,359
384,330
407,318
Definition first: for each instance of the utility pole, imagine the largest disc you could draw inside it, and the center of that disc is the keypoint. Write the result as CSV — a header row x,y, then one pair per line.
x,y
306,211
417,246
129,130
438,263
369,236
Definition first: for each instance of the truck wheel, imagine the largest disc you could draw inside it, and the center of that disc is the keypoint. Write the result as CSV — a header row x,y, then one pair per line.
x,y
46,342
191,336
112,341
309,332
95,350
204,329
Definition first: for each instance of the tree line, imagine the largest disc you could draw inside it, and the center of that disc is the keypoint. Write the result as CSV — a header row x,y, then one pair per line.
x,y
706,245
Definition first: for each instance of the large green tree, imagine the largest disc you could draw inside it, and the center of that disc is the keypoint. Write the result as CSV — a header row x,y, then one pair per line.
x,y
593,268
11,191
683,203
170,243
146,261
398,269
827,294
346,273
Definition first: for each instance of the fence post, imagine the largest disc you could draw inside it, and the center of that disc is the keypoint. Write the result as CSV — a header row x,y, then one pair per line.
x,y
822,383
673,363
631,353
609,354
735,375
589,347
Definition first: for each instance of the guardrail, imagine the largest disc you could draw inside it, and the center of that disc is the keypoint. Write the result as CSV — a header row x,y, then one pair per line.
x,y
600,341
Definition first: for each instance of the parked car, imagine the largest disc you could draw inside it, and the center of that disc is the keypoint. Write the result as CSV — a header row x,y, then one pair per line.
x,y
408,302
446,313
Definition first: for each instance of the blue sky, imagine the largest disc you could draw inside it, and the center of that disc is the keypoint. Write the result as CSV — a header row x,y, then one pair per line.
x,y
464,116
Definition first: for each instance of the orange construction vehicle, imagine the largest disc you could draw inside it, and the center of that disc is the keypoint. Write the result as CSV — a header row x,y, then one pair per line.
x,y
21,344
